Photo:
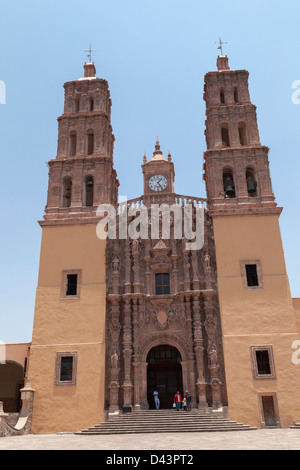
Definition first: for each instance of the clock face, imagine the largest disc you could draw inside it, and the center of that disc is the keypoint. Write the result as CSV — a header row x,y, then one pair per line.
x,y
158,183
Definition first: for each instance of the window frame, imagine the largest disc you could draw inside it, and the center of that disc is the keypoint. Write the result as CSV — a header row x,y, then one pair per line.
x,y
256,375
64,283
58,362
156,285
257,262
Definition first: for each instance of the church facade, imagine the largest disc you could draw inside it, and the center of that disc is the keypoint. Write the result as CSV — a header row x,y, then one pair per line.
x,y
117,317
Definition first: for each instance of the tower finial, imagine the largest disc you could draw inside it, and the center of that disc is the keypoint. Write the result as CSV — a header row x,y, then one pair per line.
x,y
89,55
220,46
157,147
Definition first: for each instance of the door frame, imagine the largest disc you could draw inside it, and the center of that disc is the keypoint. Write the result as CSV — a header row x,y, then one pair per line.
x,y
260,395
141,401
165,368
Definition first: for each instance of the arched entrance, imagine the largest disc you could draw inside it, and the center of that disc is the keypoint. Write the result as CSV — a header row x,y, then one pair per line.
x,y
11,381
164,372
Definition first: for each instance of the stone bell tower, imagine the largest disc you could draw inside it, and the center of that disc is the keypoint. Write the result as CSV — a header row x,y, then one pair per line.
x,y
236,164
68,343
82,175
255,302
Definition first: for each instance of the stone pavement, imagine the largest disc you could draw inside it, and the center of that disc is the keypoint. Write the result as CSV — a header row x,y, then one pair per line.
x,y
270,439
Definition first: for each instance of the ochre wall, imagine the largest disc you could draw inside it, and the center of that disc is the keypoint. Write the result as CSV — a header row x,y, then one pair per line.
x,y
69,325
258,317
296,303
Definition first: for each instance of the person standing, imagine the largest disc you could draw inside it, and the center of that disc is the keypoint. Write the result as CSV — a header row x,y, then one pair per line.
x,y
156,399
188,397
177,401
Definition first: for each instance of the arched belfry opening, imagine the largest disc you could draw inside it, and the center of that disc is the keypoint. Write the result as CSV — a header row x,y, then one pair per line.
x,y
164,372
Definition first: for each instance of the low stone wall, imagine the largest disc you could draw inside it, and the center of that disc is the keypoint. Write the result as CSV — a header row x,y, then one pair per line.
x,y
23,423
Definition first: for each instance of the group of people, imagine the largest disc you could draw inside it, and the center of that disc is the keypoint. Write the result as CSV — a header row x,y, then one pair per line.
x,y
179,403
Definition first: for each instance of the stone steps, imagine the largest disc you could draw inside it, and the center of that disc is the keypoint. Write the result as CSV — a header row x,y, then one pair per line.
x,y
165,421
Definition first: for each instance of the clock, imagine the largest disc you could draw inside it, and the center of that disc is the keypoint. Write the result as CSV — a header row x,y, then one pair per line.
x,y
158,183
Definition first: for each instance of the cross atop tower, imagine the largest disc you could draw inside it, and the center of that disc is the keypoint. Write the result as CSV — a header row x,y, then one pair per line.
x,y
220,42
89,55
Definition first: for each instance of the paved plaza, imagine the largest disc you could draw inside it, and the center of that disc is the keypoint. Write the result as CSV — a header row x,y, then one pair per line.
x,y
270,439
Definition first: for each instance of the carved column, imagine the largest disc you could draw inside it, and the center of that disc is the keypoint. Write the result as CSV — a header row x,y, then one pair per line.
x,y
127,353
186,266
198,341
136,361
136,267
195,282
212,351
115,328
191,385
115,274
147,260
207,270
127,267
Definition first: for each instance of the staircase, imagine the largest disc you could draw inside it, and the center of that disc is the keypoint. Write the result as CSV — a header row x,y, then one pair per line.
x,y
295,426
165,421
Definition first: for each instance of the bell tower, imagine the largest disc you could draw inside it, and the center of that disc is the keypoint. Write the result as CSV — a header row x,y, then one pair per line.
x,y
82,175
68,341
253,288
236,168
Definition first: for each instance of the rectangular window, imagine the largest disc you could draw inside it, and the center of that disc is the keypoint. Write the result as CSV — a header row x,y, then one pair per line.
x,y
251,273
73,144
90,144
263,362
71,284
66,368
162,283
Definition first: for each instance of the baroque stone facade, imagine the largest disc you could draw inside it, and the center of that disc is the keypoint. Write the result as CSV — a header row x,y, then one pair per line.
x,y
141,318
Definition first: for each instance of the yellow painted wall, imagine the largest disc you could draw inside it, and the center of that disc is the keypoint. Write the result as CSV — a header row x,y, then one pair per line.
x,y
69,325
257,317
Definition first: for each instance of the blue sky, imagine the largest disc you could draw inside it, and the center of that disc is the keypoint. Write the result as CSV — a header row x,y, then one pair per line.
x,y
154,56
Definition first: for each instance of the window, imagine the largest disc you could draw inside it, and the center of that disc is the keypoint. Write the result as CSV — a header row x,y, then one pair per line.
x,y
262,362
71,284
67,192
225,136
89,191
162,284
242,134
251,273
91,104
71,281
251,183
236,95
90,144
66,368
228,184
73,144
222,96
77,105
